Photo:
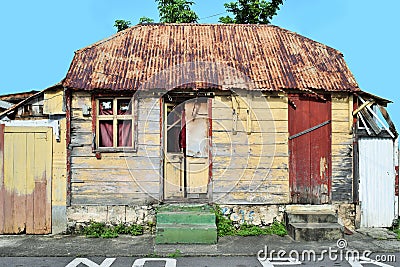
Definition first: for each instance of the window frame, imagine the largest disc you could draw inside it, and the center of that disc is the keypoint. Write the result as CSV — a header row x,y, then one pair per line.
x,y
115,118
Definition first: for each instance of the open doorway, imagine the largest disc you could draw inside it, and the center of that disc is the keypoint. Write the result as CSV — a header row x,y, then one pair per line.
x,y
186,148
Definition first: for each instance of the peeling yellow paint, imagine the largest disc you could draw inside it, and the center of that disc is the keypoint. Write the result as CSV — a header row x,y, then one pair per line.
x,y
53,102
26,152
323,166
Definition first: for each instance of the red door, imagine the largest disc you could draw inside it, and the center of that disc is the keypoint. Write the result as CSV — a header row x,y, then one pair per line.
x,y
310,148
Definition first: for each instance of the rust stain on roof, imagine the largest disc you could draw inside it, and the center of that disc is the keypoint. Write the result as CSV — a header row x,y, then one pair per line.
x,y
257,57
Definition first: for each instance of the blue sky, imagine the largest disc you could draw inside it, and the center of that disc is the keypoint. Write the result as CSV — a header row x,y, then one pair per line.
x,y
39,37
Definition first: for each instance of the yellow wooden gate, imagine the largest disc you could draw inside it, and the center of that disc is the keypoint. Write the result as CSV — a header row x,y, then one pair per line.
x,y
25,180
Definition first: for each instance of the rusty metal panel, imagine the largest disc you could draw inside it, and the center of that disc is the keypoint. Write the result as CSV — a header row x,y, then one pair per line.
x,y
159,56
26,185
377,181
310,149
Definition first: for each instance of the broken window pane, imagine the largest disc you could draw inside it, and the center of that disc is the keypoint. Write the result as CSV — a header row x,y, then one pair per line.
x,y
124,106
106,107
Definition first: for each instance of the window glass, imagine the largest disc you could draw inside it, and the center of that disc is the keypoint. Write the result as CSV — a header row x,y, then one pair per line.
x,y
106,107
106,133
124,106
124,133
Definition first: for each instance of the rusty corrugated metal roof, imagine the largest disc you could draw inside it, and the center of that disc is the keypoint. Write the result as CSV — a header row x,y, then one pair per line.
x,y
263,57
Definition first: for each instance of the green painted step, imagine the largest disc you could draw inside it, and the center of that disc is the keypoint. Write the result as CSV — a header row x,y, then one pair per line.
x,y
185,208
186,224
186,234
186,217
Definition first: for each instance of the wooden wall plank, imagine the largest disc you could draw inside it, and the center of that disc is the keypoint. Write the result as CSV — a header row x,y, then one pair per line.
x,y
141,163
2,190
113,187
261,126
30,168
252,139
252,186
342,154
226,149
20,177
113,199
53,102
251,174
114,175
250,162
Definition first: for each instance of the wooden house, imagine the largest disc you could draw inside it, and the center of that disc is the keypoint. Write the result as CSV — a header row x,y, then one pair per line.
x,y
244,116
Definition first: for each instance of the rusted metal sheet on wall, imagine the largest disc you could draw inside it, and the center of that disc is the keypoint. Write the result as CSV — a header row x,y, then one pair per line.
x,y
377,181
25,199
310,149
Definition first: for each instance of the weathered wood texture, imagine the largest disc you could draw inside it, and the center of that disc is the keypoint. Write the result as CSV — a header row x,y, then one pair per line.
x,y
120,178
53,102
59,180
26,186
342,154
249,150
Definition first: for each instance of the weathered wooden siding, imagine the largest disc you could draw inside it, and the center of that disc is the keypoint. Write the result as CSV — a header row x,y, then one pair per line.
x,y
342,153
59,182
53,102
250,154
119,178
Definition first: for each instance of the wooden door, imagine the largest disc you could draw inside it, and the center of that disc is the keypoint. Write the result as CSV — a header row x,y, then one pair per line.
x,y
174,168
197,147
25,180
310,149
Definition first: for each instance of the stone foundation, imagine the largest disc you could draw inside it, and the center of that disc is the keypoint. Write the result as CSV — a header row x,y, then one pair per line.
x,y
260,215
80,216
263,215
347,215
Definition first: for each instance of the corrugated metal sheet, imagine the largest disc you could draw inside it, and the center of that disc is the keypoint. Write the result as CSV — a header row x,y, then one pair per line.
x,y
377,181
5,104
231,56
17,97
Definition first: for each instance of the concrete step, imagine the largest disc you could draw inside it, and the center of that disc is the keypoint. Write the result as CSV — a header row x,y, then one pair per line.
x,y
171,233
310,208
311,217
186,224
186,217
315,231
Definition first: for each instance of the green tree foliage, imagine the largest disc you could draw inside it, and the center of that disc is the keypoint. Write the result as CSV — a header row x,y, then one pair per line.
x,y
145,20
121,24
251,11
176,11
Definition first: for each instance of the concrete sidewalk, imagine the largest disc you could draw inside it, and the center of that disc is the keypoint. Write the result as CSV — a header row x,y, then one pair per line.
x,y
128,246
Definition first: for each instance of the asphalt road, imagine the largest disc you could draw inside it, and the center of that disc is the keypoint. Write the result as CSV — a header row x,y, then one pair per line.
x,y
233,261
